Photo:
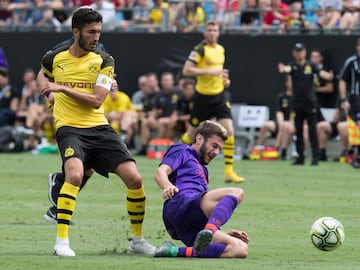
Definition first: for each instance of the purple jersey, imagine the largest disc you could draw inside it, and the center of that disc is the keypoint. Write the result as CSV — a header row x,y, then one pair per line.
x,y
188,174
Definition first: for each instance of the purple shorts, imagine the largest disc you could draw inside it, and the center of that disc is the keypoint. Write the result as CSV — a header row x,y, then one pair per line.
x,y
183,217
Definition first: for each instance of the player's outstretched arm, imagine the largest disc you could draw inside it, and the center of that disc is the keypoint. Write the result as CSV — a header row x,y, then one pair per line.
x,y
162,179
282,68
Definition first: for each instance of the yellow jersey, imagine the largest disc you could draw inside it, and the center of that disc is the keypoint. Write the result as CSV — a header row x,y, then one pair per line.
x,y
157,13
80,74
121,103
208,57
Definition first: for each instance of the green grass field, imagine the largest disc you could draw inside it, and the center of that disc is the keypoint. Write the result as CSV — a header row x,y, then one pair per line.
x,y
280,205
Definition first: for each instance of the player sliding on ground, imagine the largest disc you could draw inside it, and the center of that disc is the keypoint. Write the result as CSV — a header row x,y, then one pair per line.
x,y
192,213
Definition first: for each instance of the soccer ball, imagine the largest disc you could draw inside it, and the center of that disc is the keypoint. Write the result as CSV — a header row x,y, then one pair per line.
x,y
327,233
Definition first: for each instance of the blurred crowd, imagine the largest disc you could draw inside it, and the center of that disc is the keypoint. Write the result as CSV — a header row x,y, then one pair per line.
x,y
159,108
274,16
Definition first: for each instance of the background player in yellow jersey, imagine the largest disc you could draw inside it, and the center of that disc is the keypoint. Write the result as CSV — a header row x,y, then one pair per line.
x,y
206,63
120,113
81,77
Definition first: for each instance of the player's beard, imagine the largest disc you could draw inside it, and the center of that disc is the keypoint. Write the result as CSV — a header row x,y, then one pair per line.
x,y
203,152
82,44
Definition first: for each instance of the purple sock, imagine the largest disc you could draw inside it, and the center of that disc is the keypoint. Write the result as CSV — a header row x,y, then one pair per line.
x,y
222,212
212,251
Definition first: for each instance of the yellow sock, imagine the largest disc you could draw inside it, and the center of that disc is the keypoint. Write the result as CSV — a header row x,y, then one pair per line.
x,y
49,131
135,204
185,138
229,151
65,208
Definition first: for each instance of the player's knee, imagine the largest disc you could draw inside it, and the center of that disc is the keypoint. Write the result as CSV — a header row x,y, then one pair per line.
x,y
134,181
238,193
75,178
243,251
239,249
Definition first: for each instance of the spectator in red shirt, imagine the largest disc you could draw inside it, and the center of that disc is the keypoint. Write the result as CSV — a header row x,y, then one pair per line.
x,y
276,13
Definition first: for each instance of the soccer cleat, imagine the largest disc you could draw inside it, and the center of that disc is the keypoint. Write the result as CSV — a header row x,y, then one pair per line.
x,y
62,248
51,183
232,177
141,246
299,161
315,162
167,249
203,239
50,216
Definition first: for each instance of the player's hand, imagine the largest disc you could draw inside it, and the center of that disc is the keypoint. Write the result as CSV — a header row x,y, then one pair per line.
x,y
239,235
114,85
169,192
47,87
226,78
281,67
51,98
345,106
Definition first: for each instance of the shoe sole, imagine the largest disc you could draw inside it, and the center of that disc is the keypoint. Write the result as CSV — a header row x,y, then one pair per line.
x,y
56,254
50,183
50,219
228,180
203,240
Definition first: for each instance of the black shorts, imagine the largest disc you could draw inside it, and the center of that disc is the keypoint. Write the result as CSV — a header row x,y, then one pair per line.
x,y
208,107
354,107
98,147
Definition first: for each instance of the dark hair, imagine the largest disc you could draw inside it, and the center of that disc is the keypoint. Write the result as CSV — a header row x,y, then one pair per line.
x,y
188,81
209,128
84,16
318,51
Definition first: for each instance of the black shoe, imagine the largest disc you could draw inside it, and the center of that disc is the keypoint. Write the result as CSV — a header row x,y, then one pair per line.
x,y
52,183
315,162
356,163
50,216
322,157
299,161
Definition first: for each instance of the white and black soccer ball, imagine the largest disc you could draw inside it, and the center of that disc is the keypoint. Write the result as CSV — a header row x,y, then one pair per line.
x,y
327,233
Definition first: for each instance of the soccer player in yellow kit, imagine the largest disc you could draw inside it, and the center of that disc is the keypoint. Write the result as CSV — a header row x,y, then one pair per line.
x,y
81,76
206,63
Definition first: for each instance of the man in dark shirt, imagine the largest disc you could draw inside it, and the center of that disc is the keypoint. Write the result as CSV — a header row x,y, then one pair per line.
x,y
302,74
349,91
324,89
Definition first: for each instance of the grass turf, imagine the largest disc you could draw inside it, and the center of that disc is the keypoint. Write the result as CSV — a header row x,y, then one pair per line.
x,y
280,205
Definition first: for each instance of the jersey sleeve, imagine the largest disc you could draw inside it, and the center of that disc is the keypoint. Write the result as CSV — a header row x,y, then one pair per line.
x,y
46,64
345,71
106,73
196,54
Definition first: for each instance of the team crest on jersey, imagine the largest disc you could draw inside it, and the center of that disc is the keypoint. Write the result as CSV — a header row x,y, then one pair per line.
x,y
69,152
92,67
174,98
8,93
285,103
307,69
228,105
